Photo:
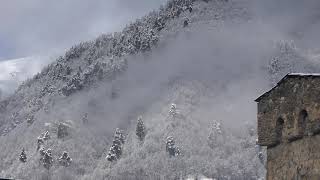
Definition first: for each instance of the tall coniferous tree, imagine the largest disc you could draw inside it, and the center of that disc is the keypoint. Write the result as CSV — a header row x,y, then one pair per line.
x,y
140,129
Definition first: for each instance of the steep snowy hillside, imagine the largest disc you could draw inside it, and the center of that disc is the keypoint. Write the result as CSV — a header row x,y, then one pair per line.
x,y
191,71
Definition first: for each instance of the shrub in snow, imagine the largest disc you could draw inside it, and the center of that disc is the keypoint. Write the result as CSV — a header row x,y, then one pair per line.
x,y
64,159
114,92
189,8
30,119
140,129
171,148
186,22
85,118
23,156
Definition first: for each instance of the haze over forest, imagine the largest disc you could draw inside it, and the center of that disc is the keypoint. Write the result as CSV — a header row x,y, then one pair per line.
x,y
186,74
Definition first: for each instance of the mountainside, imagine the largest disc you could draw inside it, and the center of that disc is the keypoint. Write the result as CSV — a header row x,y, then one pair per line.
x,y
191,70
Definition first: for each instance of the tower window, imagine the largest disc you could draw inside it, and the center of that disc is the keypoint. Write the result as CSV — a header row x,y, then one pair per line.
x,y
302,122
279,129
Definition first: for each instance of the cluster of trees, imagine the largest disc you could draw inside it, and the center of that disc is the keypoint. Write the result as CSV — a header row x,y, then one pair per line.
x,y
139,36
47,160
65,159
87,62
116,148
46,157
171,147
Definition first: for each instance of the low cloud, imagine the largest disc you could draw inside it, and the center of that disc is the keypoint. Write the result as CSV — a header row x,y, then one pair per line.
x,y
37,26
15,71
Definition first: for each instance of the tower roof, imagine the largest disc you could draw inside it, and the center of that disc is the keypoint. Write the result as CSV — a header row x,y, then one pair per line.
x,y
290,75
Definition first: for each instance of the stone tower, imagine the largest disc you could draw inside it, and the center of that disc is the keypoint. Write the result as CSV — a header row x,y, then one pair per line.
x,y
288,125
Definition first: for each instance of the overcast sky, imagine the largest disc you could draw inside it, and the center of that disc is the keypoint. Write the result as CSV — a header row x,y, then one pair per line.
x,y
32,27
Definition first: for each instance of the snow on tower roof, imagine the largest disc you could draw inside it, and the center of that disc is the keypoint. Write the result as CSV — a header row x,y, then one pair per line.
x,y
289,75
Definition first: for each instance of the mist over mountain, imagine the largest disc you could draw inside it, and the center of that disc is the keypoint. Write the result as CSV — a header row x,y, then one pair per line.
x,y
14,71
189,71
36,27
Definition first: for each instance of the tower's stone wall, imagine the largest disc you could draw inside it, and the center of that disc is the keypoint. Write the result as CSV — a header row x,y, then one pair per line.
x,y
289,125
298,160
296,102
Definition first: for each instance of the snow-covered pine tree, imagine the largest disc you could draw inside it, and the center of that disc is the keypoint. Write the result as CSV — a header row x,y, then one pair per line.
x,y
173,110
64,159
46,136
119,136
47,159
216,136
140,130
40,142
23,156
171,147
114,152
42,138
42,151
116,149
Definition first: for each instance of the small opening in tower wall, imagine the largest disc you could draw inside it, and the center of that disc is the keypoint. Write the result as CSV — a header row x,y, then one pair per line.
x,y
279,128
302,122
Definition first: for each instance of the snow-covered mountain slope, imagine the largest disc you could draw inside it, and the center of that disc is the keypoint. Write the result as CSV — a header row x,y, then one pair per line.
x,y
210,58
15,71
